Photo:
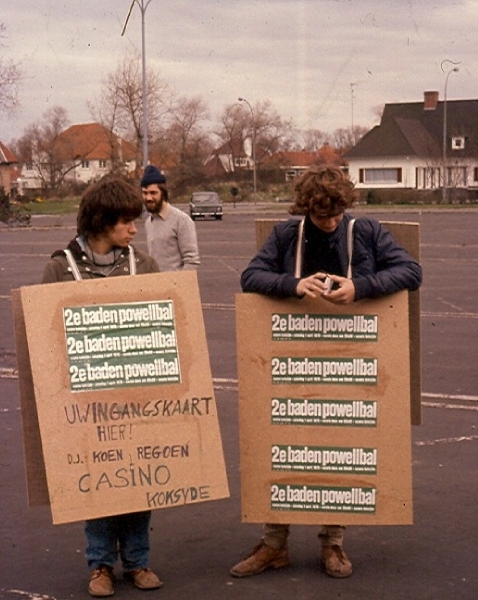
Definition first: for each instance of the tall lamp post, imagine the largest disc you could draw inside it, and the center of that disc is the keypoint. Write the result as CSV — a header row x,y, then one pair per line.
x,y
254,172
443,190
143,5
352,97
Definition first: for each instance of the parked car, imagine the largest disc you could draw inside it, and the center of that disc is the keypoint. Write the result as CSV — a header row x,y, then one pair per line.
x,y
205,204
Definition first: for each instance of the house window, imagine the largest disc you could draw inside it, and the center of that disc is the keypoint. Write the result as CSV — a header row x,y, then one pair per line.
x,y
85,164
241,162
429,178
382,175
102,164
458,143
475,174
291,174
456,177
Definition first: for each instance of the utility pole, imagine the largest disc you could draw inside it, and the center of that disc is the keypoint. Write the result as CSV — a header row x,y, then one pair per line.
x,y
254,173
352,97
143,5
444,157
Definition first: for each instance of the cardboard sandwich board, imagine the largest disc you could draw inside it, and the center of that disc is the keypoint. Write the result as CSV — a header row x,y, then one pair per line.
x,y
407,235
324,395
118,404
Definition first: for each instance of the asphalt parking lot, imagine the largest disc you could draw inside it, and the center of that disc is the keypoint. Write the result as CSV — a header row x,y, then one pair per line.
x,y
194,546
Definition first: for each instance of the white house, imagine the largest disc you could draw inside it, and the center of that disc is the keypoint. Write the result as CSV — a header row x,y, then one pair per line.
x,y
414,146
82,153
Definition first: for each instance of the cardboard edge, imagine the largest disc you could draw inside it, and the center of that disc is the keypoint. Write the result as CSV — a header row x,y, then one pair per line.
x,y
37,487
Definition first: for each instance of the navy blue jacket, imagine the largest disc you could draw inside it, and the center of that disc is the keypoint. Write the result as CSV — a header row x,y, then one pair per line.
x,y
380,266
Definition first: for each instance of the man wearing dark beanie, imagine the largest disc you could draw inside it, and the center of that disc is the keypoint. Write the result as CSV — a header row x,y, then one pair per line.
x,y
170,232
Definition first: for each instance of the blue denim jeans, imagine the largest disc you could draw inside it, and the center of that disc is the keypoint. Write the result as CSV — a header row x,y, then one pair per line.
x,y
126,534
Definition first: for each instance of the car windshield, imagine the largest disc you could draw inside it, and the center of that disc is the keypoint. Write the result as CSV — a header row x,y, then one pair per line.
x,y
206,197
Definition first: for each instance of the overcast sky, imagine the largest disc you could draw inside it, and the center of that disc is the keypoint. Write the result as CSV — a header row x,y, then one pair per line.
x,y
322,63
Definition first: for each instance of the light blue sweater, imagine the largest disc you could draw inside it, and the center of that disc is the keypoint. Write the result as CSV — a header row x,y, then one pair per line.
x,y
172,240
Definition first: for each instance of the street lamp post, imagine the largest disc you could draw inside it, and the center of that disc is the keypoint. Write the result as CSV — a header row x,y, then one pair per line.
x,y
254,172
444,157
352,97
143,5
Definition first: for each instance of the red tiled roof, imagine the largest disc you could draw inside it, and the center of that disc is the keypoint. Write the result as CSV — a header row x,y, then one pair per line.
x,y
92,141
6,155
299,158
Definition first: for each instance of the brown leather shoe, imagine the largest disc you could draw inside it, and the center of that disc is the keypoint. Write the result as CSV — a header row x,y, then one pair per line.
x,y
335,561
101,582
261,558
144,579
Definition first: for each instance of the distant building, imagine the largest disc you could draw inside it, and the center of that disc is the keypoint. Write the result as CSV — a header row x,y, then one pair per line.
x,y
406,149
228,158
295,162
8,172
232,157
83,153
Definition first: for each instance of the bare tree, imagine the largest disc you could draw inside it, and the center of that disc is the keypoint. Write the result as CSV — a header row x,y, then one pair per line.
x,y
314,139
40,147
10,76
344,138
292,139
233,127
185,140
263,123
120,106
186,129
271,130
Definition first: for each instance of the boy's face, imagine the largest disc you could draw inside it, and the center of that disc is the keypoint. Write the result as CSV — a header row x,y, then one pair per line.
x,y
325,222
152,198
120,234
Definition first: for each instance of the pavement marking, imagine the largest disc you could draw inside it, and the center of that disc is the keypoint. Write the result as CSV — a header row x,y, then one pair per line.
x,y
31,595
7,410
452,440
451,305
426,245
451,397
212,306
450,401
8,373
451,261
448,315
449,406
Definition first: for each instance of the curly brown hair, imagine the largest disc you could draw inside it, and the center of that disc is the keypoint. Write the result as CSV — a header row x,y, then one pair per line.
x,y
325,190
104,203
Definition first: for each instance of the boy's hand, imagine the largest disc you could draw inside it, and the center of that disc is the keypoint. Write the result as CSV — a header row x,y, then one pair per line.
x,y
345,294
313,286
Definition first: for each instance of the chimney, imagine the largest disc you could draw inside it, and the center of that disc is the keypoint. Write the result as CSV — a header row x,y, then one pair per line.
x,y
430,100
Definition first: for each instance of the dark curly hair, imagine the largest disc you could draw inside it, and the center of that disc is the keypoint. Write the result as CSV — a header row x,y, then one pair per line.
x,y
325,190
104,203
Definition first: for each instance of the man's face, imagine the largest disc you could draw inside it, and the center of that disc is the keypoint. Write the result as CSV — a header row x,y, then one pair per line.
x,y
152,198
